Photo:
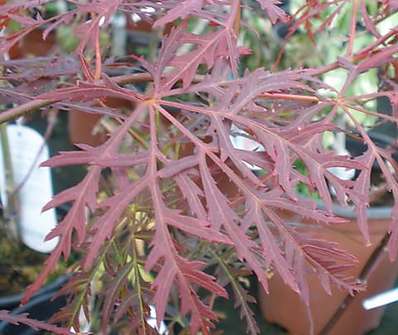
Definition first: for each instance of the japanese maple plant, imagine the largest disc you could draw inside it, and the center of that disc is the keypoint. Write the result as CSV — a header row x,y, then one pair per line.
x,y
171,212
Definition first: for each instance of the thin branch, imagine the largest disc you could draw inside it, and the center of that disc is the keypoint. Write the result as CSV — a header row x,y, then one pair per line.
x,y
25,320
353,27
37,103
360,55
293,97
367,270
131,78
25,108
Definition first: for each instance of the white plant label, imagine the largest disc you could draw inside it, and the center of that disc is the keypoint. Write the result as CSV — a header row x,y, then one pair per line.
x,y
25,143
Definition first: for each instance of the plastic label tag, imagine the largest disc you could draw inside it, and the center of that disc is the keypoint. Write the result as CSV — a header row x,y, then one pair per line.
x,y
25,143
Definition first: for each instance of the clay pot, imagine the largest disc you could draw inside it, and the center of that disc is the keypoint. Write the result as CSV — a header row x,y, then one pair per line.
x,y
82,125
284,307
33,45
82,128
141,25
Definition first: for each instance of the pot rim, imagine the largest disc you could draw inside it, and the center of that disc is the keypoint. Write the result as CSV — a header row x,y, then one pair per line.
x,y
374,212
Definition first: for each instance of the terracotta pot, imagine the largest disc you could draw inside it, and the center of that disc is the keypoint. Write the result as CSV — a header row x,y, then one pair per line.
x,y
145,25
284,307
33,45
82,128
82,125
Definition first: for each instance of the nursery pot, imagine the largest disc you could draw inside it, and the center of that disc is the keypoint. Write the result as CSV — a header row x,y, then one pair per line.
x,y
82,125
284,307
82,128
33,44
41,307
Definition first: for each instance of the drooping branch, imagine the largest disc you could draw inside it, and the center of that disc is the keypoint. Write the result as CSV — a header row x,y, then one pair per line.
x,y
37,103
25,108
24,319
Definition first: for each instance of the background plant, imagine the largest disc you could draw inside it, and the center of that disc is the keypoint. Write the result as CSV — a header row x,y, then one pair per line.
x,y
176,213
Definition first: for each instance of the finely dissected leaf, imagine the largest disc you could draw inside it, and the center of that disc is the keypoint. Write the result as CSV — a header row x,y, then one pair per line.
x,y
195,227
241,296
105,225
38,67
171,183
181,271
362,187
181,11
78,292
221,214
83,196
378,59
273,11
113,291
38,325
207,48
369,24
88,92
192,193
175,268
91,155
